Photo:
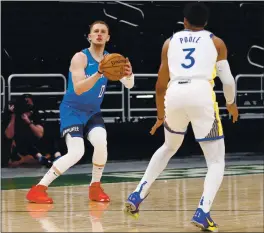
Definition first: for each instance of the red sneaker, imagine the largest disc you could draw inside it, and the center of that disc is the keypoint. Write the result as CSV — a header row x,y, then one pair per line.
x,y
96,193
38,194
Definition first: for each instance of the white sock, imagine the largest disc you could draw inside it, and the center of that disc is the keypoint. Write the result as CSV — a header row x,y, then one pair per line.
x,y
75,147
97,137
51,175
214,152
160,160
97,173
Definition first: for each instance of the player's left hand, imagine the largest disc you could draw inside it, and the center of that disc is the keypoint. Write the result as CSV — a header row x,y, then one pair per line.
x,y
128,68
233,110
158,123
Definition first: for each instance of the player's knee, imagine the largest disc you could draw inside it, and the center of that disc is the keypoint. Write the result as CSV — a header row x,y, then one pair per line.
x,y
170,148
79,151
76,147
214,152
97,137
173,142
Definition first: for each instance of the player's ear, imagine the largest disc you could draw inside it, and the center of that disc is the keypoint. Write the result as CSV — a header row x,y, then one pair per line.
x,y
108,38
185,22
89,38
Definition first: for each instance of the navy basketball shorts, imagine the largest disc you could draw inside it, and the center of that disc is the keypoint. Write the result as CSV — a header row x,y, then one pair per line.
x,y
78,123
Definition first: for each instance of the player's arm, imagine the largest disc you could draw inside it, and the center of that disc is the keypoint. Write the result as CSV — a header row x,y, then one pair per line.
x,y
161,86
82,84
226,77
128,80
162,82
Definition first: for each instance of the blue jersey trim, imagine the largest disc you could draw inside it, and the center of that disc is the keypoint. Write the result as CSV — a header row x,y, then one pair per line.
x,y
87,52
94,126
172,131
210,139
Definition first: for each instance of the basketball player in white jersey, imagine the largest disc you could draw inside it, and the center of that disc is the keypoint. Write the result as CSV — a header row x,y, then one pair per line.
x,y
184,93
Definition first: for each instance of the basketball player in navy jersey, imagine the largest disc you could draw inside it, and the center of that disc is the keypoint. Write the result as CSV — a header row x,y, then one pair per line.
x,y
81,116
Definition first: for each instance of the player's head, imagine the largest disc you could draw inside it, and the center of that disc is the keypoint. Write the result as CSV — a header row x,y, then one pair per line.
x,y
99,33
195,15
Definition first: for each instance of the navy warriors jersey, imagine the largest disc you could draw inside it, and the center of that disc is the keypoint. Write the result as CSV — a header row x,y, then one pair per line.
x,y
89,101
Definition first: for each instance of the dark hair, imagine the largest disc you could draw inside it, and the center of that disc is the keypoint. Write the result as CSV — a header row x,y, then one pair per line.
x,y
196,13
21,104
100,22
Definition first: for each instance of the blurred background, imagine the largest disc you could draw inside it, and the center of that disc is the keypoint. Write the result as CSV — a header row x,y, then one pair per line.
x,y
40,38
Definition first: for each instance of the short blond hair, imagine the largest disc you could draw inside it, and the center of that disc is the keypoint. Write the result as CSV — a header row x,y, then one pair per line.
x,y
99,22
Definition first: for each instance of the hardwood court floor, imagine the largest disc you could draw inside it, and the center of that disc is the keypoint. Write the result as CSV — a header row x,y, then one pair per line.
x,y
238,207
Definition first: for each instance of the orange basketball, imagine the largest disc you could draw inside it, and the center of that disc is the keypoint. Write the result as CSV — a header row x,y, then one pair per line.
x,y
113,66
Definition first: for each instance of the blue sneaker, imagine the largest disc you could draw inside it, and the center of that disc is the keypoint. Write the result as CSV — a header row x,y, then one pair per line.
x,y
133,202
204,221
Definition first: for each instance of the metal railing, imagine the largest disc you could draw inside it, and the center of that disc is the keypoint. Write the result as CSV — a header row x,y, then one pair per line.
x,y
123,20
139,92
48,93
122,109
2,93
11,77
261,91
129,92
249,59
250,114
238,77
60,93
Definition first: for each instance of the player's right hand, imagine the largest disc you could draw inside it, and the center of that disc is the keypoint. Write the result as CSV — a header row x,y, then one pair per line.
x,y
158,123
233,110
100,70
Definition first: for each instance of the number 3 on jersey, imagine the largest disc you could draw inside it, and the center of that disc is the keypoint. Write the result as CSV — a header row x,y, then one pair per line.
x,y
101,91
189,57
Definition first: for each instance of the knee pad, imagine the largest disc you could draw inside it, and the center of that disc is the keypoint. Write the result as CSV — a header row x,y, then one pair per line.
x,y
97,137
75,146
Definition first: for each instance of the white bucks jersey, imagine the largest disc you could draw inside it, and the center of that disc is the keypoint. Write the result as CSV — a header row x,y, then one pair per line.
x,y
192,55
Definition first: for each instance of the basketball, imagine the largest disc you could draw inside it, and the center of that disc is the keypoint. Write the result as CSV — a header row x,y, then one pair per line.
x,y
112,66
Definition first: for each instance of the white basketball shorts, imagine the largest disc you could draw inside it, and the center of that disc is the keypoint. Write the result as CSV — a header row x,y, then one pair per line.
x,y
193,101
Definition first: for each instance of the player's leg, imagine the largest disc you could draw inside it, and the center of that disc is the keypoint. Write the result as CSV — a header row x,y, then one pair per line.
x,y
98,137
209,133
175,127
72,129
214,152
75,147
